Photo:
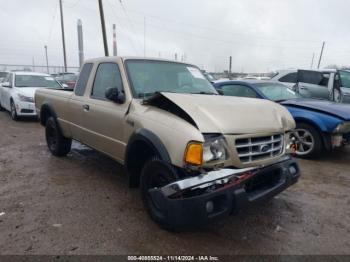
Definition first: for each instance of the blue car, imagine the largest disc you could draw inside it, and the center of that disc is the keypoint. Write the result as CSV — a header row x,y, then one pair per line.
x,y
320,125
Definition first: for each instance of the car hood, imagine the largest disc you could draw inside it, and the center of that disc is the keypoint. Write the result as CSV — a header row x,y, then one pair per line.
x,y
331,108
232,115
27,91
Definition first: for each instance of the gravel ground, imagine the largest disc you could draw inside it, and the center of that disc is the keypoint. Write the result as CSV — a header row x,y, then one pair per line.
x,y
81,204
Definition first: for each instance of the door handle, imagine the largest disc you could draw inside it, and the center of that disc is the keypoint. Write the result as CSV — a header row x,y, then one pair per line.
x,y
86,107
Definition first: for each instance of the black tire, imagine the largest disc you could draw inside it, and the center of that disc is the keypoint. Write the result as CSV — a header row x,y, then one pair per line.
x,y
156,173
13,111
1,108
317,145
56,142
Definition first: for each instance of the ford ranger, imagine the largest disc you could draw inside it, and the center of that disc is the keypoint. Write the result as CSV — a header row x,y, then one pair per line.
x,y
196,155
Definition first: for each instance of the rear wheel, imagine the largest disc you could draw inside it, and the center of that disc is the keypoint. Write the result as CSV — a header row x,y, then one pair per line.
x,y
308,140
155,174
1,108
13,111
56,142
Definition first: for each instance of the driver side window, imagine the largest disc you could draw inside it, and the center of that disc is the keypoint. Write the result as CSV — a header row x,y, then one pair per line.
x,y
9,79
107,75
238,90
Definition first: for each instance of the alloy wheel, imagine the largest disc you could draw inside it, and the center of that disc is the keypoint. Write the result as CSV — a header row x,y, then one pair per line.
x,y
304,140
13,111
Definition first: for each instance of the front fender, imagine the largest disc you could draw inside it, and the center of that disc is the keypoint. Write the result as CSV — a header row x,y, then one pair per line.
x,y
151,140
325,123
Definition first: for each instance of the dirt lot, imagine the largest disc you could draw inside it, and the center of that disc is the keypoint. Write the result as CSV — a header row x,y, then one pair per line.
x,y
81,205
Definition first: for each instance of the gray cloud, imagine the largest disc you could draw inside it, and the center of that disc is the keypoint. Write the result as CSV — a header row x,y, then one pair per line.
x,y
260,35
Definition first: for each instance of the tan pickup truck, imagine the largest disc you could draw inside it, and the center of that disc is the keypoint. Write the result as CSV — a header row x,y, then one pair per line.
x,y
196,155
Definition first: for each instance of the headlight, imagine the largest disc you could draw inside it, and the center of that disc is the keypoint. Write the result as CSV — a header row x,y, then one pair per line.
x,y
342,128
214,148
291,142
25,98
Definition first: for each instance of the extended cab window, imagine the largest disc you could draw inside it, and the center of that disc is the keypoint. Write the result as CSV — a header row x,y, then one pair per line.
x,y
83,79
107,75
238,90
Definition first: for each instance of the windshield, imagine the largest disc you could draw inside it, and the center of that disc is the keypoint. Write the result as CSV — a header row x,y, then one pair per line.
x,y
68,77
276,92
36,81
148,77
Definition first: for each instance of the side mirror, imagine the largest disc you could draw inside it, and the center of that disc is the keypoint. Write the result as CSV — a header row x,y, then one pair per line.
x,y
113,94
220,92
6,84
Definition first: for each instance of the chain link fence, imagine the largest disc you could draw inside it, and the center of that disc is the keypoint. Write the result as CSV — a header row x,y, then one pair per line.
x,y
38,68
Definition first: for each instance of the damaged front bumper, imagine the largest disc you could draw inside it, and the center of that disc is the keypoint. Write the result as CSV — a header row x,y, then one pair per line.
x,y
204,198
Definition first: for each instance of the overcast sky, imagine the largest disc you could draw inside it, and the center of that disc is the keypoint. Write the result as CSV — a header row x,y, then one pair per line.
x,y
259,35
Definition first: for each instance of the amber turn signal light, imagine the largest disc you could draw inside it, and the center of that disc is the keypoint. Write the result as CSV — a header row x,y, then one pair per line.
x,y
194,154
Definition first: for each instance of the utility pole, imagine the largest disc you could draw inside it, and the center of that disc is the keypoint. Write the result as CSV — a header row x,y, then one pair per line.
x,y
47,60
144,36
230,68
80,43
319,61
63,40
114,40
312,60
103,27
33,64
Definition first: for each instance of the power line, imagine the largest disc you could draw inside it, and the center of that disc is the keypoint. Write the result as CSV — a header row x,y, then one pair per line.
x,y
52,23
121,28
218,30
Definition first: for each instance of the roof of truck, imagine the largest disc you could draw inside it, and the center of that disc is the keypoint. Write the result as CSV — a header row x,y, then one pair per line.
x,y
114,58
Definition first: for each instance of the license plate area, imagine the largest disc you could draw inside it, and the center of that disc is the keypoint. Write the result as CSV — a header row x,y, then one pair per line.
x,y
263,181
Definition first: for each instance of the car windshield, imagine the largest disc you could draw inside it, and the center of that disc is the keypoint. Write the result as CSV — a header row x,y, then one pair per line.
x,y
22,81
67,77
149,77
276,91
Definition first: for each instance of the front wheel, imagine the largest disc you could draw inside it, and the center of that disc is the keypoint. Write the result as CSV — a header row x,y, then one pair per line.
x,y
308,140
13,111
155,174
56,142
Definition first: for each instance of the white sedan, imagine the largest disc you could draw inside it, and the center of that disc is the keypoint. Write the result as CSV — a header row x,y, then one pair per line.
x,y
17,92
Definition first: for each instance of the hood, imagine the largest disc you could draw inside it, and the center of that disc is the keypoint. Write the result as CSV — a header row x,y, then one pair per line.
x,y
331,108
232,115
27,91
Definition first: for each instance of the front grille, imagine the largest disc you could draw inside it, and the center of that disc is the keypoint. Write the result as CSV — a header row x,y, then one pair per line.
x,y
27,111
259,148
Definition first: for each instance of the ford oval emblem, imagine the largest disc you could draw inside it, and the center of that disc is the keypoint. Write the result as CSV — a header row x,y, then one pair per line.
x,y
264,148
